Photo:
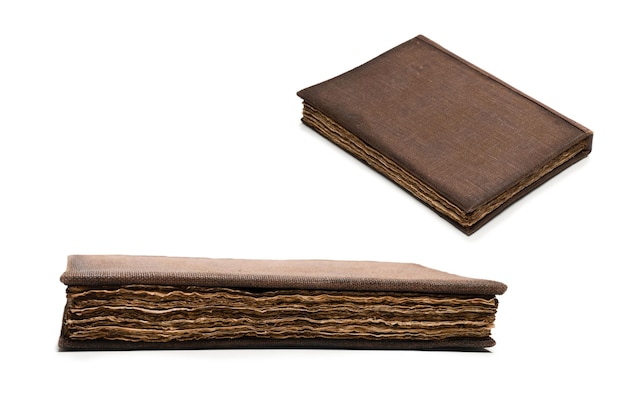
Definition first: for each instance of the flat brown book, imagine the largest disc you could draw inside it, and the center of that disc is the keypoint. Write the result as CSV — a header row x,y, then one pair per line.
x,y
117,302
457,138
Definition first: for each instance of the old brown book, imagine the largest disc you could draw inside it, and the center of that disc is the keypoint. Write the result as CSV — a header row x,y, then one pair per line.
x,y
462,141
118,302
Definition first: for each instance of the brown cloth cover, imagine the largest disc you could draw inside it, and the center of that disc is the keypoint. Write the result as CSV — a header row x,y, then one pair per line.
x,y
114,271
457,138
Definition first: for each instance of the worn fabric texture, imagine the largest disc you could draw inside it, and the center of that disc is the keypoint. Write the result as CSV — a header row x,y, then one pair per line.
x,y
457,138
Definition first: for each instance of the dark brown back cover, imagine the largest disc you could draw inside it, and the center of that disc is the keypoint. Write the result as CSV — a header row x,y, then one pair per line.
x,y
457,344
465,133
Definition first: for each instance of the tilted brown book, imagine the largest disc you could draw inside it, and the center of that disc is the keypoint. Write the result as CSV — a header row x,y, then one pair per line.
x,y
462,141
117,302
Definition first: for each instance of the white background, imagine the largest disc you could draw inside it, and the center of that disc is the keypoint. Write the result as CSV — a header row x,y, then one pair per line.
x,y
173,128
